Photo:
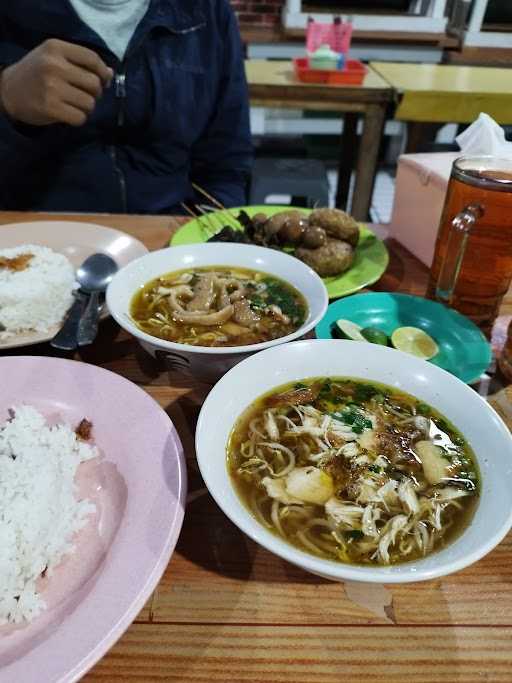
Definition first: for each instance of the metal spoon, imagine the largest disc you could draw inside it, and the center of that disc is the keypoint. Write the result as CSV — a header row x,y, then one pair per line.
x,y
94,281
93,277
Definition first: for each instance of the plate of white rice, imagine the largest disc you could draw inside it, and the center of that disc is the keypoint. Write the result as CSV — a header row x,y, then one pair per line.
x,y
87,525
36,295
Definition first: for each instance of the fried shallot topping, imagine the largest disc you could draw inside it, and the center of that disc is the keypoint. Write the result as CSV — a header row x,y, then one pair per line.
x,y
83,431
17,263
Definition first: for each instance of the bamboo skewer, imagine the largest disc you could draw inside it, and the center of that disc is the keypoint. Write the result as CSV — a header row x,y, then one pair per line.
x,y
208,196
209,218
205,229
219,205
188,210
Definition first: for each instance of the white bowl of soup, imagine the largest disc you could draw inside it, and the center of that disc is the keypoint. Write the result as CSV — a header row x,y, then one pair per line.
x,y
203,308
357,462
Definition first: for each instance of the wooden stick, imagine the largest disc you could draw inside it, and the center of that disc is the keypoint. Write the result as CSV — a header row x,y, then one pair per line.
x,y
208,196
223,216
188,210
230,217
210,218
204,228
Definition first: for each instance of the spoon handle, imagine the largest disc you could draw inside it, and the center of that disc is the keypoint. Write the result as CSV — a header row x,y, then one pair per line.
x,y
66,338
88,328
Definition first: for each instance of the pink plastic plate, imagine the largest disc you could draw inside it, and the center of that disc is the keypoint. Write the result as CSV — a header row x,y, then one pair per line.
x,y
139,487
76,241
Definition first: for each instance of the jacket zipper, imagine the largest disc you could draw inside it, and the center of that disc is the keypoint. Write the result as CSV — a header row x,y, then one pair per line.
x,y
120,88
120,93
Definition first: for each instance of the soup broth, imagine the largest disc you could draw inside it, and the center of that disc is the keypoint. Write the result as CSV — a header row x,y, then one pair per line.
x,y
218,306
353,471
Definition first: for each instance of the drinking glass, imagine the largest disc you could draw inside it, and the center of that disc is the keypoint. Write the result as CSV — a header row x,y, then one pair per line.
x,y
472,266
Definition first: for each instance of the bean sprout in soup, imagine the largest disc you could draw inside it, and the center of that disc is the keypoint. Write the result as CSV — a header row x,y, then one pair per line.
x,y
218,306
351,471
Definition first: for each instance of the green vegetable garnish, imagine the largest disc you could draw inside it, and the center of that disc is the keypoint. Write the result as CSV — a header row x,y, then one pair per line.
x,y
276,293
355,534
326,389
364,392
280,296
354,418
257,303
423,409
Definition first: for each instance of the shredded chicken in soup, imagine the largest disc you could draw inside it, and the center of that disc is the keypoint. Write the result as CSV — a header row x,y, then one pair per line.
x,y
355,472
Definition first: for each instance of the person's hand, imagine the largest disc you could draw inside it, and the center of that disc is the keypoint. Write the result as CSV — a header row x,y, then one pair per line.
x,y
57,82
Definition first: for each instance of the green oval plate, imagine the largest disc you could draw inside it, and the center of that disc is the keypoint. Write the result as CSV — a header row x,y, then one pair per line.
x,y
370,262
463,349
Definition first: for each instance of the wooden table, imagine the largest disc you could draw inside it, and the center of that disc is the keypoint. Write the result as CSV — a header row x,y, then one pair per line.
x,y
227,610
433,93
273,84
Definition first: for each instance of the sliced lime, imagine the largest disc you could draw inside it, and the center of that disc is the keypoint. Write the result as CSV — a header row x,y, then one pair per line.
x,y
375,336
414,341
348,330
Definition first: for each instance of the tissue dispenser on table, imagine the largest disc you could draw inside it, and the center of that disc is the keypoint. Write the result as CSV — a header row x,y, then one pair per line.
x,y
420,190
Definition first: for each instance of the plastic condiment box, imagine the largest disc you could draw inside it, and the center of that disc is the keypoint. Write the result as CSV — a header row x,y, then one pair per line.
x,y
420,190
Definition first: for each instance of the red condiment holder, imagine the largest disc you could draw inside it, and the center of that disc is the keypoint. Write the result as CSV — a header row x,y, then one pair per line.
x,y
353,73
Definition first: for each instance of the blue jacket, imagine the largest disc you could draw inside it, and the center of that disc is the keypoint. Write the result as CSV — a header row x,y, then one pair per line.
x,y
176,113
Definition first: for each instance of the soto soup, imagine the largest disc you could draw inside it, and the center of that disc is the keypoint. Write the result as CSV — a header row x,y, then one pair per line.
x,y
353,471
218,306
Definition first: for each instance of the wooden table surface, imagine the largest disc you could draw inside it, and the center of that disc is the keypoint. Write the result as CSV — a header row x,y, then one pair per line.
x,y
227,610
448,93
272,84
264,75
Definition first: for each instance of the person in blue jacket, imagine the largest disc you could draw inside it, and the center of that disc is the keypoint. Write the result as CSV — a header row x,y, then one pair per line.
x,y
120,105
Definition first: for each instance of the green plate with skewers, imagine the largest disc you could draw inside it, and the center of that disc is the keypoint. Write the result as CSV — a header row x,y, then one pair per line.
x,y
371,257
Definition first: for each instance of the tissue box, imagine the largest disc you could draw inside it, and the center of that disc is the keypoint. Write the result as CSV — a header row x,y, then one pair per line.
x,y
420,190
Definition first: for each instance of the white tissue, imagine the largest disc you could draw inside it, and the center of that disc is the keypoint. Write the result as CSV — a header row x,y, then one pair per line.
x,y
484,136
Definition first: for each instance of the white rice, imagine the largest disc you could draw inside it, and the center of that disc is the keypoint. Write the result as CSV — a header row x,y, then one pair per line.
x,y
39,512
37,298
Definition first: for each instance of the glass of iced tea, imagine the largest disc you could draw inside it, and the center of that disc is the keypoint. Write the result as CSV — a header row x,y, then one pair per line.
x,y
472,266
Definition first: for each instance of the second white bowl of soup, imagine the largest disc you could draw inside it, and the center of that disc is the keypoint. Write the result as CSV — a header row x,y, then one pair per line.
x,y
357,462
203,308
